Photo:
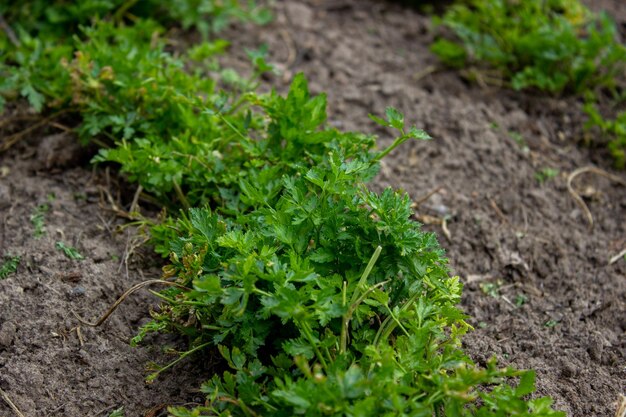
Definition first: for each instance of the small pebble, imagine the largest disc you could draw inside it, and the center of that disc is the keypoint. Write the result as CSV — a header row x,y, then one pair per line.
x,y
77,292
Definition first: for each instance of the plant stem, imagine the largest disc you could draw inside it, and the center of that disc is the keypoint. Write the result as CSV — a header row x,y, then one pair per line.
x,y
309,335
354,301
181,196
399,141
182,356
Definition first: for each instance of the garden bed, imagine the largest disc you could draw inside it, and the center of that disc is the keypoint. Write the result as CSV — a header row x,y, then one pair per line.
x,y
538,284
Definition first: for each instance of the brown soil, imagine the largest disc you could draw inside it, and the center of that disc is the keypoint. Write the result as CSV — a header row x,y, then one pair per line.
x,y
539,287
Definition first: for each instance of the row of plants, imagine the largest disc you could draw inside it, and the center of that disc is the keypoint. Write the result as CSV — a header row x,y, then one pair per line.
x,y
555,46
318,296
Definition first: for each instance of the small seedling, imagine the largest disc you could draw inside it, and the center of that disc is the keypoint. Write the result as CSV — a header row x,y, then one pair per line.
x,y
117,413
519,139
9,266
550,323
545,174
80,196
613,131
491,288
69,251
520,300
38,218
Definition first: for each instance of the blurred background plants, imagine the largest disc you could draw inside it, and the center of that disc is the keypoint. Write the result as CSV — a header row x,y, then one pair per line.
x,y
554,46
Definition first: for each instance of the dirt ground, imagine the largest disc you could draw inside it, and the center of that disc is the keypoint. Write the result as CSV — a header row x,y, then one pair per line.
x,y
538,284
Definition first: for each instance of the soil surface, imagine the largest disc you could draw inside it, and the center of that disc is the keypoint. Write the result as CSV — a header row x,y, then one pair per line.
x,y
492,184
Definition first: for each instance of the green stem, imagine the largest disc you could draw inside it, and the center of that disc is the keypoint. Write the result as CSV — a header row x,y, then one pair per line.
x,y
399,141
389,324
395,319
365,275
181,196
182,356
348,316
233,128
261,292
123,9
354,300
309,335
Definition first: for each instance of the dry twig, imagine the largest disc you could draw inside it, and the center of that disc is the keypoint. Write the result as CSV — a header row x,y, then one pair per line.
x,y
426,72
6,121
13,139
6,398
292,49
424,198
621,407
123,297
444,228
617,257
577,196
498,211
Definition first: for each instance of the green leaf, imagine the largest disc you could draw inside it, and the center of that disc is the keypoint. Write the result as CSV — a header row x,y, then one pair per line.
x,y
322,255
69,252
35,98
291,398
419,134
380,121
395,118
210,284
526,384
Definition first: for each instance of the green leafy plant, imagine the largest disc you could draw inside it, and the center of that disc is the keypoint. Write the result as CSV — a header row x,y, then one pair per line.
x,y
117,412
40,35
69,251
545,174
520,300
38,219
492,289
612,130
557,46
320,296
519,140
554,45
551,323
9,266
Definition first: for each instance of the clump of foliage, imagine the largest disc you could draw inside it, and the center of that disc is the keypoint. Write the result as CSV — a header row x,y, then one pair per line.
x,y
612,129
151,109
322,297
61,18
38,220
9,266
70,252
554,45
162,116
557,46
41,34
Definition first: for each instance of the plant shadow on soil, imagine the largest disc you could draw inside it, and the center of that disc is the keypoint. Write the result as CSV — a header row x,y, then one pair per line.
x,y
538,287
